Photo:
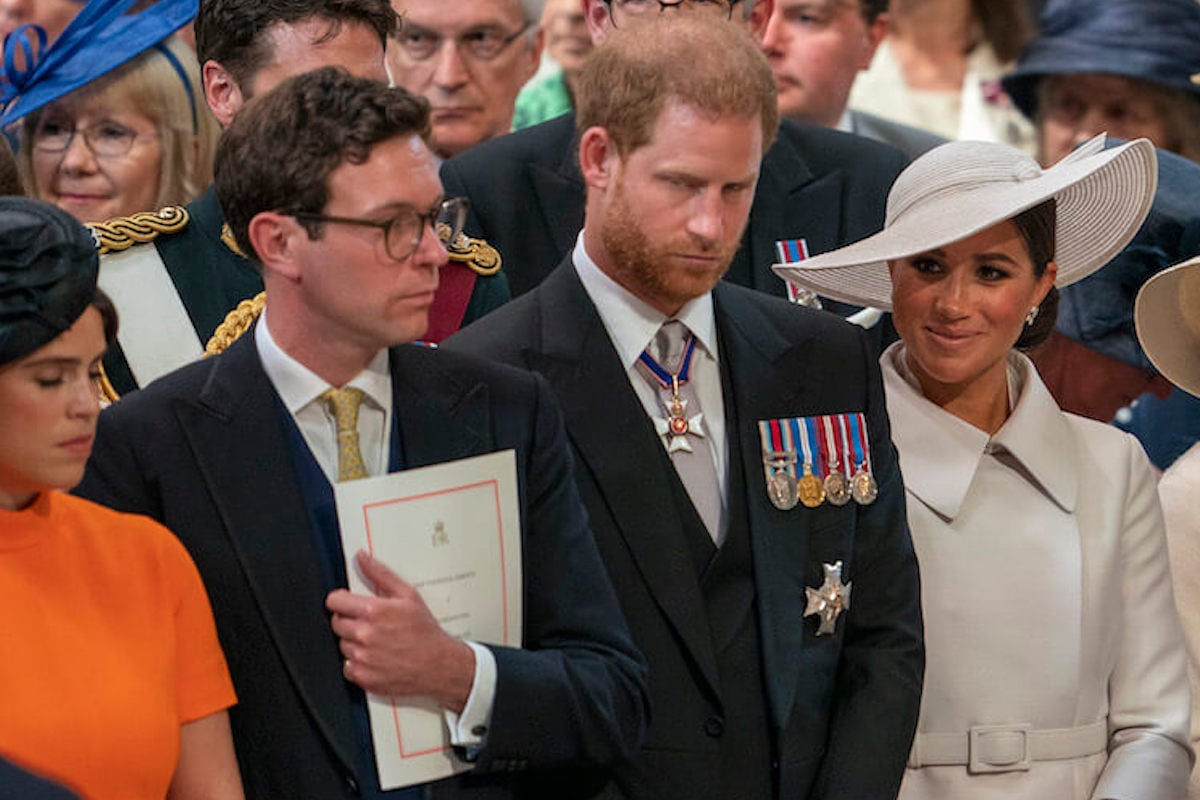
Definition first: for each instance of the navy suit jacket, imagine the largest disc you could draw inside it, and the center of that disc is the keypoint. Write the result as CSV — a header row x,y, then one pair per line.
x,y
843,707
203,450
527,197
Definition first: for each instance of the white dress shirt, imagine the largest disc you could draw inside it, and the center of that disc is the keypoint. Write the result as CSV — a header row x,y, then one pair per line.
x,y
632,324
301,390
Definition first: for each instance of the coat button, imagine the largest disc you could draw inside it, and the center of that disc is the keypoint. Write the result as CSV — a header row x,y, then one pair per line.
x,y
352,784
714,727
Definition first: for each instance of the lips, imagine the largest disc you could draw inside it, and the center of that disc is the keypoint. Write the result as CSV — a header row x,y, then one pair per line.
x,y
80,446
949,337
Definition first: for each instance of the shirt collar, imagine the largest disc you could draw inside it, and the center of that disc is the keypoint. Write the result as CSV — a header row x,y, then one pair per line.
x,y
846,122
298,386
940,453
630,321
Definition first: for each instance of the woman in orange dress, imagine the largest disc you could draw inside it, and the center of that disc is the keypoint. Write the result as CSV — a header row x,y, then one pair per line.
x,y
112,681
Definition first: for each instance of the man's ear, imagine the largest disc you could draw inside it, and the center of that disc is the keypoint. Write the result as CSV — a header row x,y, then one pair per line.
x,y
596,12
876,32
535,53
275,238
598,157
222,92
760,15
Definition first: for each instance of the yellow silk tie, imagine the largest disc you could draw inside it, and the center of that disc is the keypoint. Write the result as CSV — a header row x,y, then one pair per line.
x,y
343,404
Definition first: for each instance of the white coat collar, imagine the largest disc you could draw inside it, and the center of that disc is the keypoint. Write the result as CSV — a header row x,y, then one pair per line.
x,y
939,453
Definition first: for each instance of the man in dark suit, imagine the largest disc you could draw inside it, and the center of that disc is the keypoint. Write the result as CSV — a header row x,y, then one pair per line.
x,y
245,47
328,181
702,466
527,196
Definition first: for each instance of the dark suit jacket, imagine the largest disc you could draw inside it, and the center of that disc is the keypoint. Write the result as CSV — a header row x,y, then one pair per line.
x,y
204,451
844,707
527,197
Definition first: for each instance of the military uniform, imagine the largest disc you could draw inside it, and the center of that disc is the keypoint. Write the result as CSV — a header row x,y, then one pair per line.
x,y
174,275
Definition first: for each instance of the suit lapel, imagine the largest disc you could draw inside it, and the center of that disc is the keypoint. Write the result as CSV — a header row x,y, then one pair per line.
x,y
763,367
610,432
799,208
560,191
231,428
440,419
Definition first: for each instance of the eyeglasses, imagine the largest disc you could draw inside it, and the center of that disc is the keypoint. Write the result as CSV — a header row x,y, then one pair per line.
x,y
105,139
402,233
639,8
479,44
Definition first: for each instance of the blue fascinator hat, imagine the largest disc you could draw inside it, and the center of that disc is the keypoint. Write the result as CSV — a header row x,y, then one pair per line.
x,y
1151,40
99,39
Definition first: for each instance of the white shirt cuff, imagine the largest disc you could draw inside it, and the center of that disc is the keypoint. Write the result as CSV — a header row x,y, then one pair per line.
x,y
470,728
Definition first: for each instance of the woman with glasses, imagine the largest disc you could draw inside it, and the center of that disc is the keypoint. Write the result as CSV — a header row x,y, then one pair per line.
x,y
1055,665
101,139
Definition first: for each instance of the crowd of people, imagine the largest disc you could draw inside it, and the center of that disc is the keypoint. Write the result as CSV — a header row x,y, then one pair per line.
x,y
848,352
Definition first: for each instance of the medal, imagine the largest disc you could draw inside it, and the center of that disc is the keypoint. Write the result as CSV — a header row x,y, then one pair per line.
x,y
810,488
837,488
674,430
828,601
863,487
789,251
781,488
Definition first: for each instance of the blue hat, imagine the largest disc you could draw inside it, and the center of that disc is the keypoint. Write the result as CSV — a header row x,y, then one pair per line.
x,y
1098,311
98,40
1152,40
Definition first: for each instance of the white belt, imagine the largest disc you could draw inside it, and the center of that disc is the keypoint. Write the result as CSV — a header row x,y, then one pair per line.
x,y
1006,748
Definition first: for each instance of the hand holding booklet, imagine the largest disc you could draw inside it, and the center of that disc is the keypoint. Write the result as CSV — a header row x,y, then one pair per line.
x,y
453,532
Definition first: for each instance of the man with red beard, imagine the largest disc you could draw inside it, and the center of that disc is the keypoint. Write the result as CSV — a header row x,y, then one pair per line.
x,y
732,449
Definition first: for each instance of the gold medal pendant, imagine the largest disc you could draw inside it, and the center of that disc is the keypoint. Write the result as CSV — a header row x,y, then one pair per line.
x,y
781,488
837,488
863,487
810,488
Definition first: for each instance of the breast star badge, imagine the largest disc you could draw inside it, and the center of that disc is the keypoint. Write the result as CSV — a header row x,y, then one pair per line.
x,y
830,600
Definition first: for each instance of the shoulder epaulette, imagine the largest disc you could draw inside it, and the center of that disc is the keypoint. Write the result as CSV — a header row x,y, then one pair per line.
x,y
475,254
236,323
122,233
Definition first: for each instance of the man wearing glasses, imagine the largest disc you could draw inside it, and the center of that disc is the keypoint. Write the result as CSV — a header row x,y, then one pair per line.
x,y
328,181
819,186
469,60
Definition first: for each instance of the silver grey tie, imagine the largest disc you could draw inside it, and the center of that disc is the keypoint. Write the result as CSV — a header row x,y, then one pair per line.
x,y
683,429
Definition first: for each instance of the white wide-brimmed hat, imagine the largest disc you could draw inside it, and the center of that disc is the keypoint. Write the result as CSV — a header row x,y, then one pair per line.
x,y
961,188
1167,316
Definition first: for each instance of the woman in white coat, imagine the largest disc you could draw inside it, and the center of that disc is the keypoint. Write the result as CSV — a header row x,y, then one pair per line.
x,y
1055,666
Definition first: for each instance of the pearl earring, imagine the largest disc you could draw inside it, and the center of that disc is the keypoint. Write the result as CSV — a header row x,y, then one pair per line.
x,y
1031,316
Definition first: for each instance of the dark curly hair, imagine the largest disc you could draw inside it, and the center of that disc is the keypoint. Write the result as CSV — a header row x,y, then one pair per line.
x,y
233,32
281,148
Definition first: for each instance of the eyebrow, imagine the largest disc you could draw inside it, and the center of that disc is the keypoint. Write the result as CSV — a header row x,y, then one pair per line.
x,y
60,361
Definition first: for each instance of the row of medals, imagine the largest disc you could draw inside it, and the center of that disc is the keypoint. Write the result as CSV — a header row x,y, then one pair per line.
x,y
810,491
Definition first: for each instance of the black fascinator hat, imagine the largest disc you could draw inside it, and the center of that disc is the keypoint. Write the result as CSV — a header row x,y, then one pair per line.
x,y
48,268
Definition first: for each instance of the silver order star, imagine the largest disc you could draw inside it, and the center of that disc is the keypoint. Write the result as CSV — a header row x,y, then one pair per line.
x,y
676,443
830,600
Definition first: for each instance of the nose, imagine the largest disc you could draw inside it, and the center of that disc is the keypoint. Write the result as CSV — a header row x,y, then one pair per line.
x,y
78,157
1091,122
85,399
952,296
706,221
773,36
449,69
430,254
